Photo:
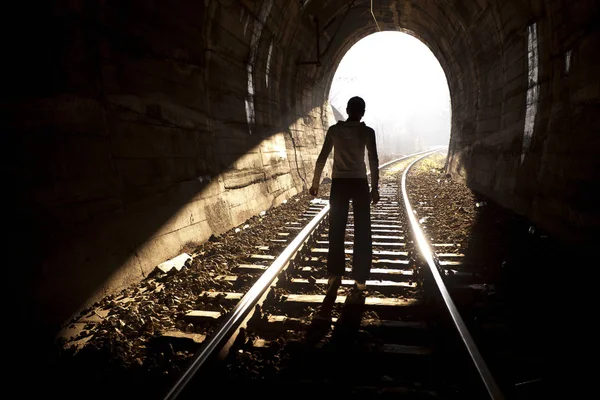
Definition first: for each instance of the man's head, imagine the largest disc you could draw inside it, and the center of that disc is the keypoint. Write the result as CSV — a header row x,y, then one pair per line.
x,y
355,108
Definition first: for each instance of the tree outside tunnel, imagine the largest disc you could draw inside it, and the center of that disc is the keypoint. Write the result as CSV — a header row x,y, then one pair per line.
x,y
405,89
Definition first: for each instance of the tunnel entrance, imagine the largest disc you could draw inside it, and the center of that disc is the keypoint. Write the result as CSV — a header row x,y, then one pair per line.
x,y
404,87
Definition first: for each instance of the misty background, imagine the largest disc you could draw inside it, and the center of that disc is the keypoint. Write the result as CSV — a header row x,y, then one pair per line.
x,y
404,88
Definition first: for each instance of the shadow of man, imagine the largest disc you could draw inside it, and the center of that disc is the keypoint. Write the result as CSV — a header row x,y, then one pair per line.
x,y
333,359
347,326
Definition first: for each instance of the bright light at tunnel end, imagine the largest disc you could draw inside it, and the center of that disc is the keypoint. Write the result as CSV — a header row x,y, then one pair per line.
x,y
405,89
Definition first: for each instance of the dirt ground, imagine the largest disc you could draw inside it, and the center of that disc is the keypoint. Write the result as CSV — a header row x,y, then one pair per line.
x,y
517,316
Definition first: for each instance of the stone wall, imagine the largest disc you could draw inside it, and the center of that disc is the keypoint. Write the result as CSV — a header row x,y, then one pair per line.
x,y
535,145
136,127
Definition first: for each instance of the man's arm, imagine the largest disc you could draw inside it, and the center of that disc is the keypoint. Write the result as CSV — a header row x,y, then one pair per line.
x,y
320,164
373,160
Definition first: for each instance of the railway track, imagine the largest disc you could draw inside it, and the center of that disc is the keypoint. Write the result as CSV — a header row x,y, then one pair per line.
x,y
404,338
491,293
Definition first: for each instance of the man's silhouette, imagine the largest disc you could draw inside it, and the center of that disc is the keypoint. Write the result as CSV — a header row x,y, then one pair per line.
x,y
349,139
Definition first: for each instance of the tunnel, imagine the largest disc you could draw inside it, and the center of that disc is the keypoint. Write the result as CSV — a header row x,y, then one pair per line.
x,y
136,127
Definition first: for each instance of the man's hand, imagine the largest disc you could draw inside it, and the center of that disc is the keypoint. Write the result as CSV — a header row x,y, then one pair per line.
x,y
314,190
375,196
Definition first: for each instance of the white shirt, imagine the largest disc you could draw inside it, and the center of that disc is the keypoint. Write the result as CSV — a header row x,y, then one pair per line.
x,y
349,140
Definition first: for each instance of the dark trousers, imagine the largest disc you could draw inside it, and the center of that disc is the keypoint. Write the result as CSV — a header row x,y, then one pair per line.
x,y
342,191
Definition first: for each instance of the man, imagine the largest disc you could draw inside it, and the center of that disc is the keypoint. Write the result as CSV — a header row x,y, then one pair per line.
x,y
348,139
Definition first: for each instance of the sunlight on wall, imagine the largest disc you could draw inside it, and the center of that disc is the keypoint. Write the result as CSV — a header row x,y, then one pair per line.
x,y
251,180
268,69
256,34
533,90
404,87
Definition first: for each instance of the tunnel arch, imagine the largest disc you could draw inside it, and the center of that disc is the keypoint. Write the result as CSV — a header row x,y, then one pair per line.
x,y
407,17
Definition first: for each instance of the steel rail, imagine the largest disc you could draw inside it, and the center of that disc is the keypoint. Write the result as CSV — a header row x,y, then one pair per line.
x,y
425,249
246,303
251,298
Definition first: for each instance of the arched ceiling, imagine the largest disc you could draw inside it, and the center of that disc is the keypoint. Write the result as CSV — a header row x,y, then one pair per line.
x,y
464,39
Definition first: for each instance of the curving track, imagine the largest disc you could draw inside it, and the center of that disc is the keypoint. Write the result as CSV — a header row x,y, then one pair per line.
x,y
406,338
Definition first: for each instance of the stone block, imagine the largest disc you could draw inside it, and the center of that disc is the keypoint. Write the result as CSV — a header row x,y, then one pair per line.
x,y
218,215
134,140
274,143
273,158
492,96
200,188
246,161
516,102
91,189
284,196
242,195
515,86
229,29
272,171
67,113
197,233
180,169
280,183
488,125
89,210
488,112
236,145
155,110
86,156
235,179
587,92
505,177
181,84
188,214
140,171
241,213
229,105
511,20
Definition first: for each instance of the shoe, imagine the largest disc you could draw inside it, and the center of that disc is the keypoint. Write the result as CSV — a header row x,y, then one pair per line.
x,y
334,281
323,318
323,314
333,284
357,294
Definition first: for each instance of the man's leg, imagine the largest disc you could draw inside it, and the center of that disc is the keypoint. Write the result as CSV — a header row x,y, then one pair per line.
x,y
336,258
338,216
363,250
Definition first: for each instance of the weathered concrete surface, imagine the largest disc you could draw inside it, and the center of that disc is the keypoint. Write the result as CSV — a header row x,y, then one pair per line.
x,y
133,127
